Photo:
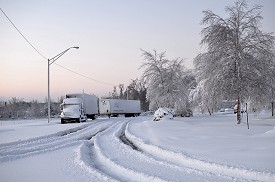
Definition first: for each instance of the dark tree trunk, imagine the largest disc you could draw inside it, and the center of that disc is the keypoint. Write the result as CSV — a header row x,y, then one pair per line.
x,y
272,108
238,111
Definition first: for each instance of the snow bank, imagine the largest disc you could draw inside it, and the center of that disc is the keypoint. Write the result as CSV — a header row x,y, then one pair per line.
x,y
163,113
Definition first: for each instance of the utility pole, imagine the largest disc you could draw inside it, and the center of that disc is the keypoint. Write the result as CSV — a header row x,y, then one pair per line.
x,y
51,61
49,99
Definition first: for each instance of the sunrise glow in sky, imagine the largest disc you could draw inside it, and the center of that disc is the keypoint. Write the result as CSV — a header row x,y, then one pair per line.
x,y
110,34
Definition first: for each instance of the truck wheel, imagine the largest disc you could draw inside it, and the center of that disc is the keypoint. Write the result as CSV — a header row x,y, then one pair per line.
x,y
62,121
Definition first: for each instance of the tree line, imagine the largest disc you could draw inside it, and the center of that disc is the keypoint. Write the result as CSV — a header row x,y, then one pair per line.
x,y
18,108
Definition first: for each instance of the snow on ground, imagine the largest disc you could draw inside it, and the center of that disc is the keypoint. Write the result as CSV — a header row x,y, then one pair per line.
x,y
199,148
13,130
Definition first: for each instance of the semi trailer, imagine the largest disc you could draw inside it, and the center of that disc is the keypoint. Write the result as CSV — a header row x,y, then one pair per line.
x,y
114,107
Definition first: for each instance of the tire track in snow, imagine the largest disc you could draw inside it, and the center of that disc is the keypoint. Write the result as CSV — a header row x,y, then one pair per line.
x,y
85,158
29,142
3,146
180,159
19,149
107,163
117,160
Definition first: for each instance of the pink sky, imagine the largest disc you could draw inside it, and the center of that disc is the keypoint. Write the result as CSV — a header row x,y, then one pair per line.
x,y
110,35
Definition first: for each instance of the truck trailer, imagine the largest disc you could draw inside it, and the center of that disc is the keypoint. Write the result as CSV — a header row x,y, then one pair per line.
x,y
114,107
78,107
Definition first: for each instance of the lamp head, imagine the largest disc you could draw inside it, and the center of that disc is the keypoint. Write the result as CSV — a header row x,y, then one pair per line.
x,y
76,47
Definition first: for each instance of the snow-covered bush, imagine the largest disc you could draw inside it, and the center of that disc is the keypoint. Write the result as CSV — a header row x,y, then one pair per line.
x,y
161,113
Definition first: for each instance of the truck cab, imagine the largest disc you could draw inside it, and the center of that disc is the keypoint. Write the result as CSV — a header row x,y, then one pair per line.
x,y
72,110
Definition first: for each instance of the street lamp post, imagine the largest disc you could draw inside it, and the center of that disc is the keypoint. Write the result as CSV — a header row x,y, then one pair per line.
x,y
51,61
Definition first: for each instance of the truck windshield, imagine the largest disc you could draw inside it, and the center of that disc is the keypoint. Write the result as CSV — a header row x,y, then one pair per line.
x,y
72,107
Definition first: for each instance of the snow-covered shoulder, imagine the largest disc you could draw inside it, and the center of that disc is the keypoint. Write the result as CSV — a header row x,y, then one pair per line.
x,y
215,140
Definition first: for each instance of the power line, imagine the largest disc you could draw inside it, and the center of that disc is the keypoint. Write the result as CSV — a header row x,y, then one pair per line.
x,y
22,34
47,58
83,75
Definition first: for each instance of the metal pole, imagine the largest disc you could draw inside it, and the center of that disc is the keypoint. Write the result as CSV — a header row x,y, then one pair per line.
x,y
49,99
51,61
246,115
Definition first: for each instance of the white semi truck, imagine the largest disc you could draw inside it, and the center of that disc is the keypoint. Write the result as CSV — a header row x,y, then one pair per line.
x,y
114,107
78,107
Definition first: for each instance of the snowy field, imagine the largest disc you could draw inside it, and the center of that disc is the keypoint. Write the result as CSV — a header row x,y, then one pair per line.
x,y
200,148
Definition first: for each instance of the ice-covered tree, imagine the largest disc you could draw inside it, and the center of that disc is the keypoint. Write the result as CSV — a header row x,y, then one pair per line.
x,y
239,62
168,80
202,100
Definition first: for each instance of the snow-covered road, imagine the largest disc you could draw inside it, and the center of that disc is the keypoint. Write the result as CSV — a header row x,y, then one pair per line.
x,y
138,149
